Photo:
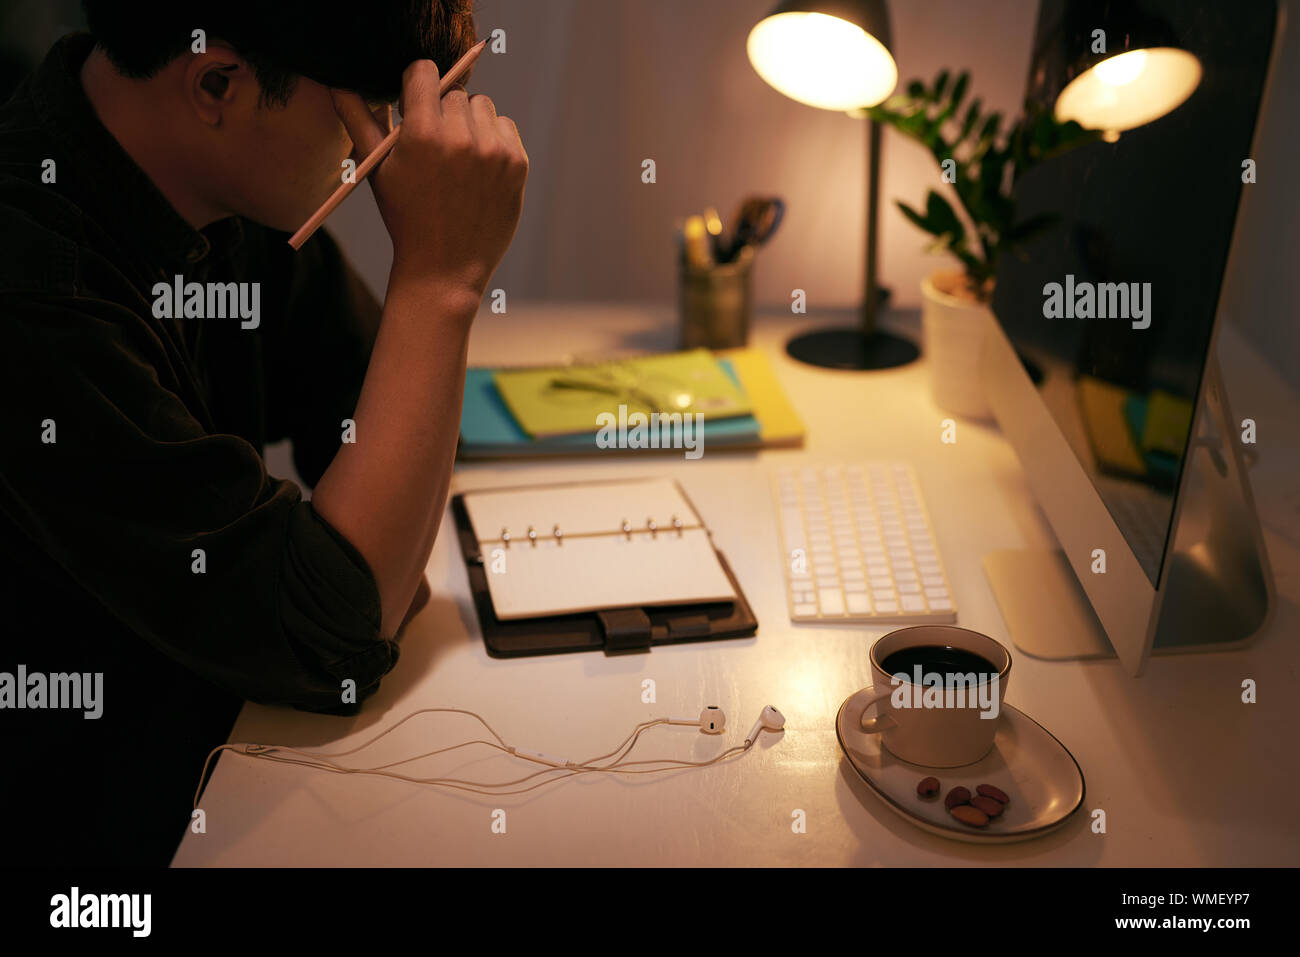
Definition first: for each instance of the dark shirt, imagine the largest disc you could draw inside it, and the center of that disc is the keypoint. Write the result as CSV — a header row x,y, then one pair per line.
x,y
159,426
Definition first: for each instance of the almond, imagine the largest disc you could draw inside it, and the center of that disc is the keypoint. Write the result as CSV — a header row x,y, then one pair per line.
x,y
969,815
987,804
997,794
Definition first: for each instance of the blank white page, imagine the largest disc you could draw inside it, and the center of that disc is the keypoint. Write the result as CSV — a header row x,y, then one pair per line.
x,y
594,565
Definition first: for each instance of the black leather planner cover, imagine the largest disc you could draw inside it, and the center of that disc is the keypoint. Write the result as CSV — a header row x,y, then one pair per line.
x,y
614,631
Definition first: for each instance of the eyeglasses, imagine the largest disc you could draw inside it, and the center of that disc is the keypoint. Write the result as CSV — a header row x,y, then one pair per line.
x,y
656,393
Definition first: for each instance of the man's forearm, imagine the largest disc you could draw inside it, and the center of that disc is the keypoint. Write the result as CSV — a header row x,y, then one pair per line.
x,y
386,492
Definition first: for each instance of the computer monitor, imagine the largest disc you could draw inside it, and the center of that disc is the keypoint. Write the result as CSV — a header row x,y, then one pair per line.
x,y
1127,439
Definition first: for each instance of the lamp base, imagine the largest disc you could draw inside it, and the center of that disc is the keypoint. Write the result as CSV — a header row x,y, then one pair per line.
x,y
849,348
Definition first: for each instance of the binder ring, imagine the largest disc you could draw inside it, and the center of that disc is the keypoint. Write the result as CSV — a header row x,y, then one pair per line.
x,y
505,536
627,529
532,535
677,524
650,524
559,535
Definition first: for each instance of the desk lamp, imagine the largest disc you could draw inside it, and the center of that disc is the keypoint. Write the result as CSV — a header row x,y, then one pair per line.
x,y
834,54
1112,67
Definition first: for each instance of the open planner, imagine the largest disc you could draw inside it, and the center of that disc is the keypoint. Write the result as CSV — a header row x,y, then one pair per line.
x,y
619,565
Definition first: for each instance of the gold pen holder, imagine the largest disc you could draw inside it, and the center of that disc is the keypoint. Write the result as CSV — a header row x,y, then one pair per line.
x,y
715,302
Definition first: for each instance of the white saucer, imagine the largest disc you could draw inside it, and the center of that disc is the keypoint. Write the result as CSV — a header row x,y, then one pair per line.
x,y
1035,770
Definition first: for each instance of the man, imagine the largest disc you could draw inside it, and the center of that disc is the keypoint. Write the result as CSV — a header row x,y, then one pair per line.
x,y
151,569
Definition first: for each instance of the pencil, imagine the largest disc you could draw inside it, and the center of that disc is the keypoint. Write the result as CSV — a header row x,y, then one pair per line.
x,y
453,76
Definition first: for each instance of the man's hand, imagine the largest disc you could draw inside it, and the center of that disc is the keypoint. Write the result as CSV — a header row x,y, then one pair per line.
x,y
450,193
451,190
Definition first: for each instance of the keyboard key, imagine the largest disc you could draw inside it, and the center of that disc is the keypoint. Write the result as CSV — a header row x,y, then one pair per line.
x,y
832,601
868,551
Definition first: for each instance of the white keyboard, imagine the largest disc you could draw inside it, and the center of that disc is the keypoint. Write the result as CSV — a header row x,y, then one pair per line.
x,y
856,546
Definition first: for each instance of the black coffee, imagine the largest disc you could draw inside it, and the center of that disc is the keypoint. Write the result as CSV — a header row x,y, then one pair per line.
x,y
938,659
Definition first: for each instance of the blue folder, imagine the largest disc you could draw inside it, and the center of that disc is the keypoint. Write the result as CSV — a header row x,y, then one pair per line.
x,y
487,427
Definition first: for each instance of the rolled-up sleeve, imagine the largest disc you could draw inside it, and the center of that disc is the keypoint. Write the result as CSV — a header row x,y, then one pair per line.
x,y
179,533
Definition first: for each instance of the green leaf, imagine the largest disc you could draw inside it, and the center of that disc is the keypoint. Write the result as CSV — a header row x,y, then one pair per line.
x,y
959,91
989,162
940,214
915,126
972,117
940,84
916,218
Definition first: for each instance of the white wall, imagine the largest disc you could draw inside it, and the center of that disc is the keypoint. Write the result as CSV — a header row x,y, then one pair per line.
x,y
597,86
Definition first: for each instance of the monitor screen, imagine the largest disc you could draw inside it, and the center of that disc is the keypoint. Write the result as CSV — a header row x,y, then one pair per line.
x,y
1114,302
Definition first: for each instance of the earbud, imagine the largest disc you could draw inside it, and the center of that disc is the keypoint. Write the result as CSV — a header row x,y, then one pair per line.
x,y
770,719
712,720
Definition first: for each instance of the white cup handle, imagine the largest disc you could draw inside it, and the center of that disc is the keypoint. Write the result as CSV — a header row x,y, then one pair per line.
x,y
879,723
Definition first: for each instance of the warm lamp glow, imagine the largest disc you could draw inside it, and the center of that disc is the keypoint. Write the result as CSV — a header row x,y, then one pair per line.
x,y
822,61
1130,89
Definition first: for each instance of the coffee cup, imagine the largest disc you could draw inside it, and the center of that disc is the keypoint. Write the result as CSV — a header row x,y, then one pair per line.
x,y
941,689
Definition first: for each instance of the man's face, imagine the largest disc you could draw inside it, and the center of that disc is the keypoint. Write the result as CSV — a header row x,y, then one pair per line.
x,y
278,164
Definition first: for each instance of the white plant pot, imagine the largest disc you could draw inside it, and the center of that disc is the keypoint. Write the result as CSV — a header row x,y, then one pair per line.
x,y
953,330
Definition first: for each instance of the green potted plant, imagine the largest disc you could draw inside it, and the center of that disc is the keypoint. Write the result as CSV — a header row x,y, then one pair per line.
x,y
981,161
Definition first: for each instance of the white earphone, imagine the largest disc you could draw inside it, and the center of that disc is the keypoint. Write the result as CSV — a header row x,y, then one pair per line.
x,y
712,720
769,720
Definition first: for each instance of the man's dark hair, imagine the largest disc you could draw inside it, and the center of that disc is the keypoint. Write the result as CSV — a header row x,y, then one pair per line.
x,y
361,45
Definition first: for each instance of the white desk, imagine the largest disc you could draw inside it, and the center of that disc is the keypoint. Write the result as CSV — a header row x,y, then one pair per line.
x,y
1187,774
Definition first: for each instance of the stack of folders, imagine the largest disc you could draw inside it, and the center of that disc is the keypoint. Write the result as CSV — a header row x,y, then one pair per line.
x,y
682,401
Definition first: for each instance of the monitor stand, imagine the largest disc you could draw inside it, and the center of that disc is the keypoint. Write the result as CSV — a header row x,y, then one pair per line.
x,y
1217,589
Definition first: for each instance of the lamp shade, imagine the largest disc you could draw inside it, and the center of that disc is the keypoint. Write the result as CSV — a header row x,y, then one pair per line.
x,y
1116,67
1129,89
832,54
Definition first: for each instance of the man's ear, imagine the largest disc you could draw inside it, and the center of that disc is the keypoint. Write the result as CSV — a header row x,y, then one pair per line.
x,y
214,81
